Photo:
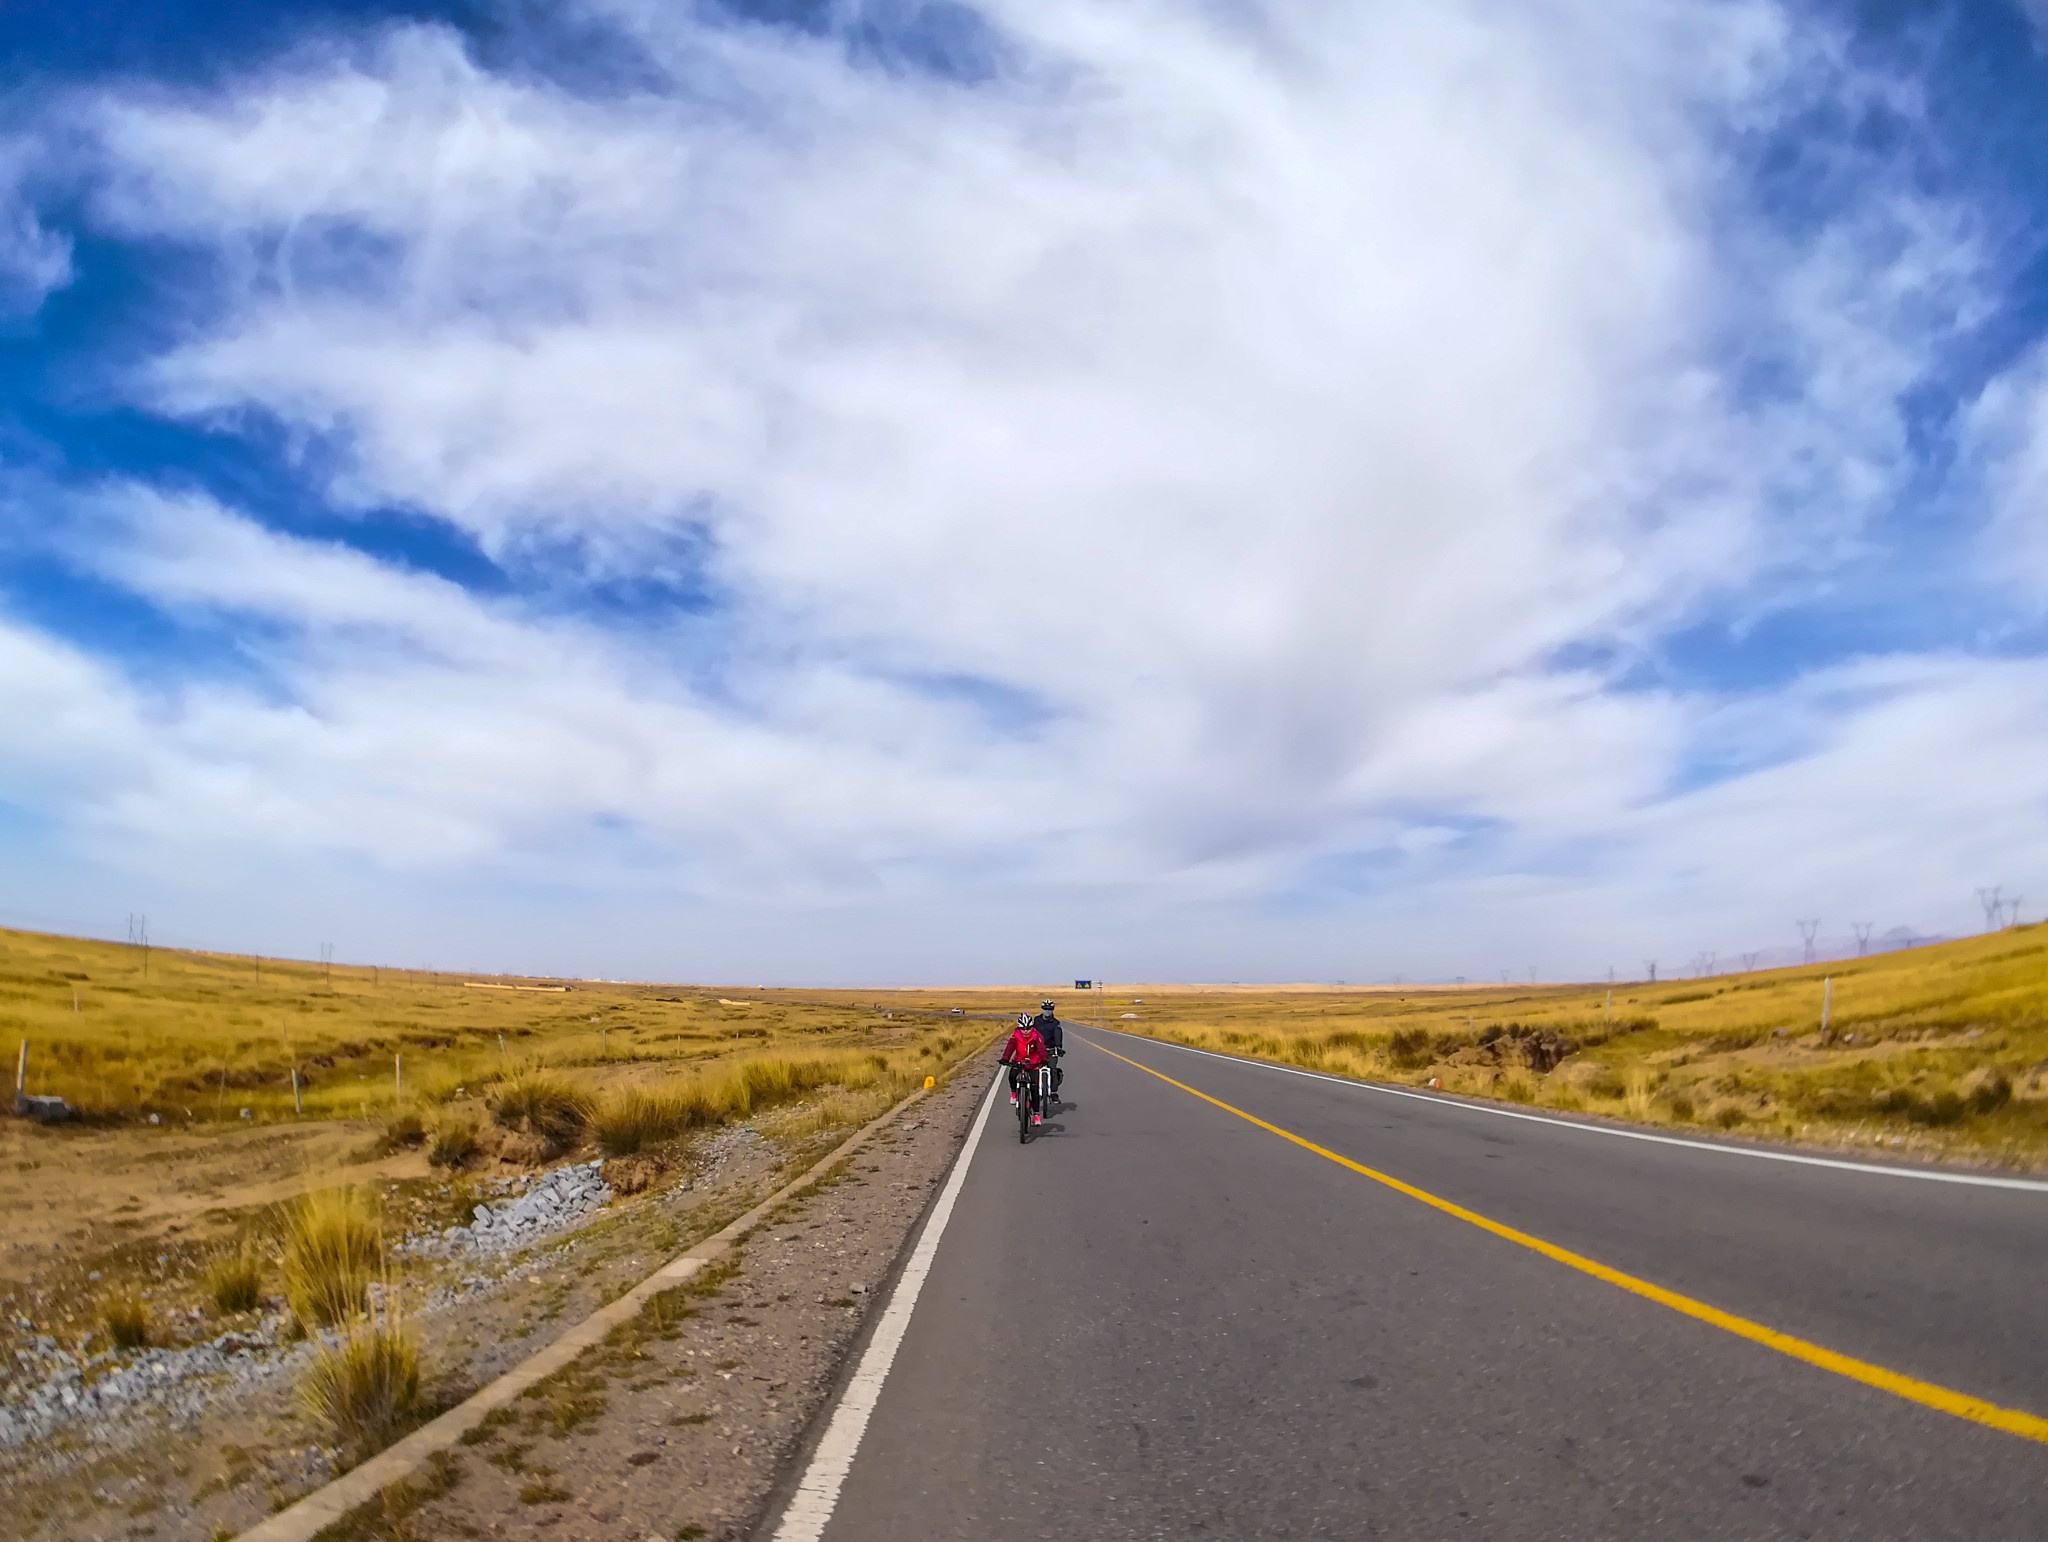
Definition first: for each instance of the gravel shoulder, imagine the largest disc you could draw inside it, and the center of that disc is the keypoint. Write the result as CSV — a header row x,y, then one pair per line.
x,y
680,1425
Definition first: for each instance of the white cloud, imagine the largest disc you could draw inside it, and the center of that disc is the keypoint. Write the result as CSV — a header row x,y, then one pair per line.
x,y
1264,397
35,261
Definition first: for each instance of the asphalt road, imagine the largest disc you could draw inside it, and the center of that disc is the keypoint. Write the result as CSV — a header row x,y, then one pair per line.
x,y
1159,1320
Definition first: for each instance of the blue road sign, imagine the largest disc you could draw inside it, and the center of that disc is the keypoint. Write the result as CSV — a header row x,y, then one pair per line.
x,y
1084,985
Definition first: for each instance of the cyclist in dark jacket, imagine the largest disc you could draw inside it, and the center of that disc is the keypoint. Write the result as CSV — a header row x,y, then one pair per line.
x,y
1048,1025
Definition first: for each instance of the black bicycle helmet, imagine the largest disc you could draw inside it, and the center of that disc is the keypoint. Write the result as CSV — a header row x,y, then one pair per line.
x,y
1045,1005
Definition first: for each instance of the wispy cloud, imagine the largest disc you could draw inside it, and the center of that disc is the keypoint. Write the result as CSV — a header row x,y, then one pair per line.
x,y
1172,465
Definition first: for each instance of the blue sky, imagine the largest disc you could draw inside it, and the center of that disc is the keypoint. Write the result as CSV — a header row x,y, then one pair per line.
x,y
887,492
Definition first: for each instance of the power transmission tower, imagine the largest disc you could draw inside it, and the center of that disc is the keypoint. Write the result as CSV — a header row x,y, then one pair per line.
x,y
1808,930
1992,903
1749,962
2012,910
1650,966
1862,930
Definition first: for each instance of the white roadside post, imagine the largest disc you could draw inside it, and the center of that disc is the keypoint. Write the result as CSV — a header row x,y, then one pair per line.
x,y
1827,992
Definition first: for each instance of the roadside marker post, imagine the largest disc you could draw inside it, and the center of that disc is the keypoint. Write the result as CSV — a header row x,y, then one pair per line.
x,y
297,1106
1827,992
397,1076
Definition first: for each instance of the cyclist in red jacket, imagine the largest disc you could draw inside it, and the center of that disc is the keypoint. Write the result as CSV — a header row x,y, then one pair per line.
x,y
1024,1054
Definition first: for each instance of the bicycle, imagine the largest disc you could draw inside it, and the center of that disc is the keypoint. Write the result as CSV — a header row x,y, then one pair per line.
x,y
1021,1100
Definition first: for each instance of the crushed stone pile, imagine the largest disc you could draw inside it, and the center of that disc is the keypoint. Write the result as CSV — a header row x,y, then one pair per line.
x,y
179,1381
561,1199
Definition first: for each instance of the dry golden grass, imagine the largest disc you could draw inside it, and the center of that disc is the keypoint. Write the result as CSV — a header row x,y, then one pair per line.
x,y
198,1037
234,1281
549,1107
333,1248
364,1389
1942,1050
454,1144
126,1318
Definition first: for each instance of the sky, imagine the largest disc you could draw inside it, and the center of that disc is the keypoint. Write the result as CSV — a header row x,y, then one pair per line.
x,y
879,492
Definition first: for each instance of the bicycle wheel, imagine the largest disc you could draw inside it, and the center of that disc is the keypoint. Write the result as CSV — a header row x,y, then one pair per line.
x,y
1024,1118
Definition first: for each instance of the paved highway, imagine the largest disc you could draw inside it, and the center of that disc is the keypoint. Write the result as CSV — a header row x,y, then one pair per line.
x,y
1163,1320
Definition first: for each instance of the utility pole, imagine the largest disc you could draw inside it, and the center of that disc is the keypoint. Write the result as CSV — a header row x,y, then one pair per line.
x,y
1862,930
1808,930
1991,901
327,965
1650,966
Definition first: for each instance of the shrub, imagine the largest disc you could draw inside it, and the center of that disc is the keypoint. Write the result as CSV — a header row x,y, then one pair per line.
x,y
542,1105
332,1249
454,1143
127,1320
235,1281
1408,1048
1941,1108
364,1388
1985,1088
402,1132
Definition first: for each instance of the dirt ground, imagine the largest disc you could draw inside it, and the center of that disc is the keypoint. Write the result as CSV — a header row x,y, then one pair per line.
x,y
675,1429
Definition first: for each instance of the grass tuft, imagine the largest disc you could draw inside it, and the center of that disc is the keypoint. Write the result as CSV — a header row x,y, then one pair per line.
x,y
366,1387
628,1120
127,1321
455,1144
543,1105
234,1281
333,1248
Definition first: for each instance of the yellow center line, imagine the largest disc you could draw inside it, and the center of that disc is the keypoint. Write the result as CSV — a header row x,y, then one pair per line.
x,y
2012,1420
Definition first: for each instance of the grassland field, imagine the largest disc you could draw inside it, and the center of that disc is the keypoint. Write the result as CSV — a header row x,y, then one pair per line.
x,y
181,1064
189,1137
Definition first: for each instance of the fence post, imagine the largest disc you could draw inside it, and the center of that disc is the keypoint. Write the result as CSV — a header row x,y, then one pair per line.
x,y
297,1107
397,1076
1827,992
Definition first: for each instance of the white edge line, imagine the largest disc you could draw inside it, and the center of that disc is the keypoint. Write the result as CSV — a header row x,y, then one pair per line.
x,y
2031,1185
818,1495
